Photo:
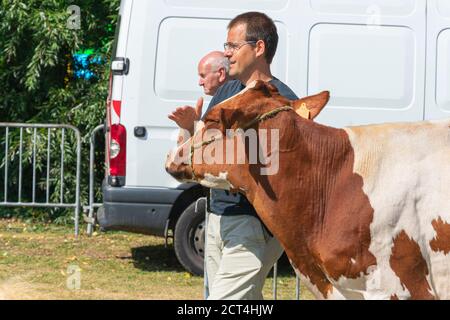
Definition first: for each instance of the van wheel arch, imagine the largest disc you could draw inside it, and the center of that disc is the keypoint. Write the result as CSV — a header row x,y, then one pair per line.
x,y
184,200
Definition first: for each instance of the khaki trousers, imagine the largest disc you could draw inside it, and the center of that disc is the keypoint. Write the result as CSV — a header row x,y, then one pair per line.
x,y
239,255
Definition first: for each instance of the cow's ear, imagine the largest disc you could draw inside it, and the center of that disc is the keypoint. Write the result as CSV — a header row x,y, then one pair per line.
x,y
228,117
265,87
310,107
273,90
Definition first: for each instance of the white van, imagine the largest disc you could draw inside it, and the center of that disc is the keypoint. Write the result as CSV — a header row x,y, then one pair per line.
x,y
382,61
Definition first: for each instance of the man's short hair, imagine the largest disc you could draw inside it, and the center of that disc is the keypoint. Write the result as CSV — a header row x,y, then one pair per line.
x,y
221,62
259,27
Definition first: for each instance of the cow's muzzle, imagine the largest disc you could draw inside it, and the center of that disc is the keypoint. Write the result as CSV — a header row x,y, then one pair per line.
x,y
178,164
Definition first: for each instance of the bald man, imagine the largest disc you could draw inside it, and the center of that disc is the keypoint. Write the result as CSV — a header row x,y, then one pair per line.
x,y
212,71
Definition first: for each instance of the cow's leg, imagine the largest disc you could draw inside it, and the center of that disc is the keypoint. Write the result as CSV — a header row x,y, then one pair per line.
x,y
317,282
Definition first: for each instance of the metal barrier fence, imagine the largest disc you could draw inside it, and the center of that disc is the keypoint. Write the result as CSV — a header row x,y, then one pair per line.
x,y
26,153
275,284
92,204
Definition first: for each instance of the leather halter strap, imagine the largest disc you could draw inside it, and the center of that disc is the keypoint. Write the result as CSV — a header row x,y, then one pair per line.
x,y
259,118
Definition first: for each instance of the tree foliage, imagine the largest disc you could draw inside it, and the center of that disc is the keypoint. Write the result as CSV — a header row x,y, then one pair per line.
x,y
36,85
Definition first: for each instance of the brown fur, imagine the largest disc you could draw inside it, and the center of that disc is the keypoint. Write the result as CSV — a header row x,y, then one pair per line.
x,y
410,266
322,178
441,241
314,196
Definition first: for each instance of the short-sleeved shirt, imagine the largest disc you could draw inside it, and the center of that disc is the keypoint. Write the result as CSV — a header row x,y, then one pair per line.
x,y
223,202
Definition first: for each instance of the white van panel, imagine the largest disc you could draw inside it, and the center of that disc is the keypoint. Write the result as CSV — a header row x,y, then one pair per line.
x,y
369,54
365,7
443,7
167,49
438,60
176,77
121,50
180,50
443,71
249,5
353,61
125,14
145,160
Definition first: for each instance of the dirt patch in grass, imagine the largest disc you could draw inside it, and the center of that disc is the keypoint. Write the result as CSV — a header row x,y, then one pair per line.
x,y
48,262
16,288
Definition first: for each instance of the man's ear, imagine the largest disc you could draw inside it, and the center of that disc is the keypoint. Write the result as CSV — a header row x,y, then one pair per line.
x,y
222,75
310,107
260,47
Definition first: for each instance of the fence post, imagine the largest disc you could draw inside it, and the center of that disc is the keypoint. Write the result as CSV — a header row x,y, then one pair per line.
x,y
90,220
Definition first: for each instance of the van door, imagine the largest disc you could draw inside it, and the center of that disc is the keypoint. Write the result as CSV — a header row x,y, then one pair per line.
x,y
166,42
438,60
369,54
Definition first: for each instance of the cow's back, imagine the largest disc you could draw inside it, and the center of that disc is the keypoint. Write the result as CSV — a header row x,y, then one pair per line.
x,y
405,169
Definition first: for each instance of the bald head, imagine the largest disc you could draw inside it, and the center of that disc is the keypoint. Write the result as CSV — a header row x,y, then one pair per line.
x,y
212,71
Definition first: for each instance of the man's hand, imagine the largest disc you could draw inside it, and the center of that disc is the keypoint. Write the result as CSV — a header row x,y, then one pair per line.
x,y
185,116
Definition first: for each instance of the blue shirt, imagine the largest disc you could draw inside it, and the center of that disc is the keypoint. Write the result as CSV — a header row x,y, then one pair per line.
x,y
223,202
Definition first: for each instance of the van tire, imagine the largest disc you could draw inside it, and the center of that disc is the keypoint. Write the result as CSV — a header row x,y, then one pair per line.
x,y
189,239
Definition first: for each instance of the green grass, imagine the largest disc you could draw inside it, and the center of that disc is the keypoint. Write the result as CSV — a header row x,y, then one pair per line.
x,y
37,261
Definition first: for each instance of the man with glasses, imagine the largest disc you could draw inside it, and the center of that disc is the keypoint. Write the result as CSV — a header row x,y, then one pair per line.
x,y
240,251
212,72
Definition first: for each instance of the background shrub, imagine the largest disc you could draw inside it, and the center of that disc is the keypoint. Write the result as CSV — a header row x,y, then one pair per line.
x,y
39,84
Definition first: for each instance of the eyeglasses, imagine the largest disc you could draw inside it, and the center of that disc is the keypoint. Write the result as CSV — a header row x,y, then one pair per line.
x,y
233,47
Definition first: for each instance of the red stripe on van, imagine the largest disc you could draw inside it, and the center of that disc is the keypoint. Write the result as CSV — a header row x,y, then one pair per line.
x,y
117,105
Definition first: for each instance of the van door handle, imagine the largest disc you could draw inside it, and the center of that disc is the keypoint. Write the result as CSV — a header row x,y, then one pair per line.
x,y
140,132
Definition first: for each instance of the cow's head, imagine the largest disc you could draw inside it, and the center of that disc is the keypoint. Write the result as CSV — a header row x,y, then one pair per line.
x,y
226,146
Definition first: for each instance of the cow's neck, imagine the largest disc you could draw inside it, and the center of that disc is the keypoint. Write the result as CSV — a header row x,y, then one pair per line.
x,y
319,157
308,175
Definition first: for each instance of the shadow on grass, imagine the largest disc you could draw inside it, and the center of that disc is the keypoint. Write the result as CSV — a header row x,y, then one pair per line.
x,y
156,258
159,258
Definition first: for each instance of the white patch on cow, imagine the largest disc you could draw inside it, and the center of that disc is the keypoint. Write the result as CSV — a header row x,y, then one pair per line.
x,y
370,286
353,260
220,182
406,173
199,125
333,295
307,282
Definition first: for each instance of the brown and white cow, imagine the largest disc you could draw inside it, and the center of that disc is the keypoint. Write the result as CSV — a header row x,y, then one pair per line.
x,y
362,212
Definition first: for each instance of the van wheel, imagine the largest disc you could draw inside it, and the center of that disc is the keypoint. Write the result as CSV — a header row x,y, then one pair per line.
x,y
189,239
